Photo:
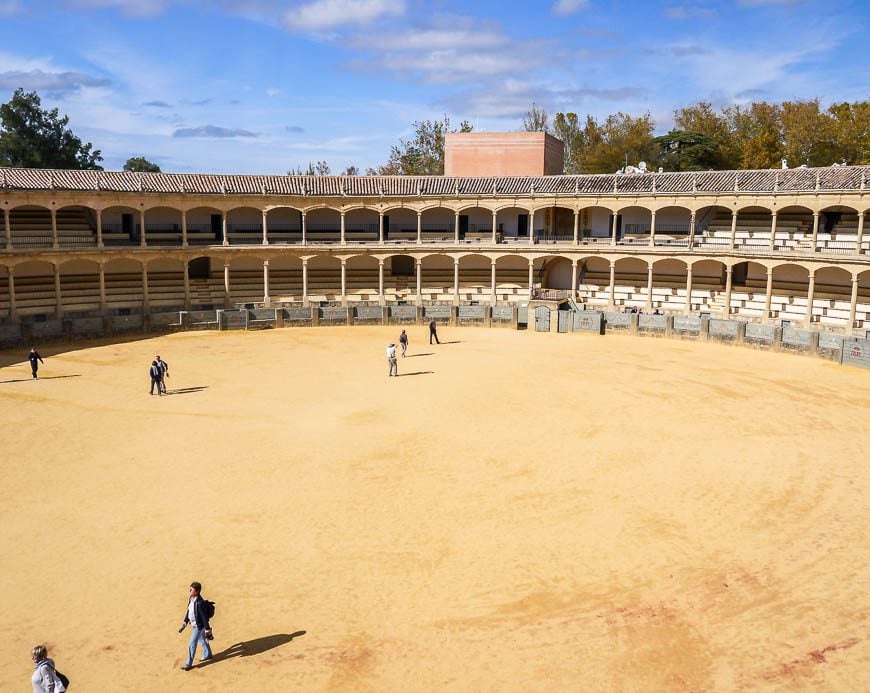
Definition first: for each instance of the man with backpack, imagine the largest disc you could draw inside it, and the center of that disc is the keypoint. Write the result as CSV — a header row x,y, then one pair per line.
x,y
198,613
156,375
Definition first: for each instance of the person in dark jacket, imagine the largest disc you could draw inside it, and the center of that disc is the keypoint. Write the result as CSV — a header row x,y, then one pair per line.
x,y
196,616
156,377
35,359
433,332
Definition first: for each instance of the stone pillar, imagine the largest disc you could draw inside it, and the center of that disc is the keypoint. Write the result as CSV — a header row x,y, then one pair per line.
x,y
419,228
576,227
186,286
815,231
226,283
574,278
649,287
853,303
58,298
612,283
728,272
265,227
811,290
733,229
492,295
859,240
531,279
456,228
532,227
54,243
343,296
143,242
184,242
304,280
99,228
225,229
304,230
613,229
455,281
768,294
688,308
419,267
266,298
102,289
146,303
342,237
494,227
381,297
773,231
8,226
381,233
652,228
692,231
13,309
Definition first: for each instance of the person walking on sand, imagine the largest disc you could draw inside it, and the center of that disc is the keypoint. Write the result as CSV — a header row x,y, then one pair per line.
x,y
391,359
35,359
433,332
46,678
156,375
164,372
196,616
403,340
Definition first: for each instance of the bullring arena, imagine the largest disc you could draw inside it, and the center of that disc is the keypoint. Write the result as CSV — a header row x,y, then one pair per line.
x,y
518,511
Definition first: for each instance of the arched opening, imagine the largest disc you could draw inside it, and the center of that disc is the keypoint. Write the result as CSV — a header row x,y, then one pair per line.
x,y
670,281
593,282
79,287
123,281
512,279
163,226
634,225
438,225
753,229
862,306
713,226
749,285
558,274
512,224
204,226
76,227
34,288
285,278
207,287
166,283
630,280
838,229
284,226
832,297
361,279
30,227
794,229
558,224
361,226
708,283
437,278
400,225
475,278
324,278
245,226
323,225
789,295
400,277
5,296
121,226
475,225
596,224
246,283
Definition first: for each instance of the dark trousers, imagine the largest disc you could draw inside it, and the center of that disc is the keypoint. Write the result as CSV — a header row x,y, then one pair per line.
x,y
34,368
433,335
156,381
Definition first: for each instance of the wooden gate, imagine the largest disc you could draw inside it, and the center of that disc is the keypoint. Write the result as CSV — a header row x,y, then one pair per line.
x,y
542,319
564,321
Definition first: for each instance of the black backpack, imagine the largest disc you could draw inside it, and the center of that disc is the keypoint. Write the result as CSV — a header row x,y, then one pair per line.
x,y
208,608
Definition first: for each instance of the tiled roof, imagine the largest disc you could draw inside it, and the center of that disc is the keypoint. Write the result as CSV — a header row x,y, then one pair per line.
x,y
763,181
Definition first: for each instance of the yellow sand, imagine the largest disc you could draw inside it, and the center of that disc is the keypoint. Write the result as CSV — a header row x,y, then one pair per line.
x,y
518,512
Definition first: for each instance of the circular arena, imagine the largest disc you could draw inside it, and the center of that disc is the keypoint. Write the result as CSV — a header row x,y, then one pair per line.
x,y
516,511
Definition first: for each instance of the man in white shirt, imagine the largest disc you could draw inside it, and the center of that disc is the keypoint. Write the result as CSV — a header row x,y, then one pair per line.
x,y
391,359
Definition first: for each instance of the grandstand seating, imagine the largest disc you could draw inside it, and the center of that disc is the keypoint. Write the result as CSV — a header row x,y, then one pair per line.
x,y
31,228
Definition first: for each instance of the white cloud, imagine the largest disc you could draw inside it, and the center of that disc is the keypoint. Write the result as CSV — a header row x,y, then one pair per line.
x,y
9,8
435,39
133,8
49,82
564,7
325,15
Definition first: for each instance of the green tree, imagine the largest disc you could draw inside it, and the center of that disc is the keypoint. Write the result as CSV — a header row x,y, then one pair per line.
x,y
808,134
620,137
423,155
35,138
852,131
702,119
141,165
566,126
757,134
535,120
682,150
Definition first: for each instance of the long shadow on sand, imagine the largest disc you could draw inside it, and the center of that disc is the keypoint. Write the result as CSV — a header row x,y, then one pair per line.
x,y
249,648
405,375
47,377
186,390
411,356
455,341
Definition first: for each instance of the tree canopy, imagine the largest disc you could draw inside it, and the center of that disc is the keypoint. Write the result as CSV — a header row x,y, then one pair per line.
x,y
141,165
32,137
423,154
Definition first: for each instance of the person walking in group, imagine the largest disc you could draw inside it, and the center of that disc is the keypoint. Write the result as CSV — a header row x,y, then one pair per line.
x,y
35,359
156,375
433,332
46,678
196,616
164,372
391,359
403,340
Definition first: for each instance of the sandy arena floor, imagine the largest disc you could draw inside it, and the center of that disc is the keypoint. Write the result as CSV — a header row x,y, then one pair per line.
x,y
517,512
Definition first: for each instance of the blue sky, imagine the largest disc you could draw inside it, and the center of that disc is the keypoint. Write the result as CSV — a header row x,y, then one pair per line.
x,y
260,86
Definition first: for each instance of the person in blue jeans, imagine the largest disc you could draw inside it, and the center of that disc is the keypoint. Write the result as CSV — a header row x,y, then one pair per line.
x,y
196,617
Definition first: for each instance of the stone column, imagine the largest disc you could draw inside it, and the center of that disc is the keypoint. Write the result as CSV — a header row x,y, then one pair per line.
x,y
419,268
8,225
455,281
58,298
226,283
811,289
733,229
225,229
853,303
381,232
343,296
382,297
652,228
99,228
532,227
728,272
146,303
531,279
492,295
343,237
612,283
649,287
768,294
815,231
859,240
184,242
419,228
186,286
456,229
494,227
692,231
265,227
266,298
574,278
688,308
304,230
304,280
54,243
102,289
613,229
13,309
773,231
143,242
576,227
